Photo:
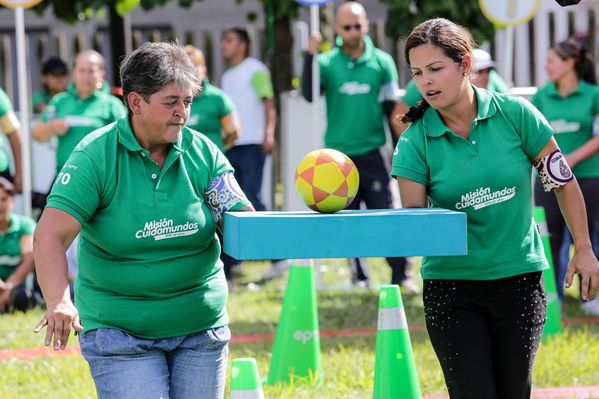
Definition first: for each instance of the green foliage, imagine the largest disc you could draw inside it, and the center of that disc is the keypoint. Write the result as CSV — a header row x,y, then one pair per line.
x,y
78,10
404,15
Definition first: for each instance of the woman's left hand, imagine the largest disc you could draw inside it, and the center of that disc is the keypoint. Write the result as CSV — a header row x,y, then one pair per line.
x,y
585,264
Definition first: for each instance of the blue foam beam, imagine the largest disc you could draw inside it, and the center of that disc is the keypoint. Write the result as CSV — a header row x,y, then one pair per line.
x,y
346,234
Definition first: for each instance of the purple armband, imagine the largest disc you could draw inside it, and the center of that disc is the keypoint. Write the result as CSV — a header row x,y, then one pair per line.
x,y
554,171
223,194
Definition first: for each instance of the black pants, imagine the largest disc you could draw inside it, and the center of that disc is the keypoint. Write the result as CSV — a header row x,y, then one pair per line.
x,y
374,192
556,224
486,333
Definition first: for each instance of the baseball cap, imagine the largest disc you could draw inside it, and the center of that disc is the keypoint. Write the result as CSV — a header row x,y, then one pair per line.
x,y
482,60
55,66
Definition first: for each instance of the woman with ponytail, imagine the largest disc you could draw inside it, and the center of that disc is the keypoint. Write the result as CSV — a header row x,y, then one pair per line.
x,y
472,150
570,102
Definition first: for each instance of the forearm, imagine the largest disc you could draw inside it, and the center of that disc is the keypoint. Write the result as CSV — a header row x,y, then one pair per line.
x,y
572,206
49,253
587,150
14,140
270,118
42,131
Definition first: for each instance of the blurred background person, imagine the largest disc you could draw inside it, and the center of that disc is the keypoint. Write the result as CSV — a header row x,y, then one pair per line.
x,y
9,124
16,256
359,82
212,112
54,79
247,82
570,102
83,108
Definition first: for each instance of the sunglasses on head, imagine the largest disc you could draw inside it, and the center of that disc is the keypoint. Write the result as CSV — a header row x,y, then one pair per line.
x,y
347,28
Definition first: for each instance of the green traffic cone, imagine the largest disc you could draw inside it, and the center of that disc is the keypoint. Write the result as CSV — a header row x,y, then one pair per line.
x,y
296,350
245,380
553,325
394,369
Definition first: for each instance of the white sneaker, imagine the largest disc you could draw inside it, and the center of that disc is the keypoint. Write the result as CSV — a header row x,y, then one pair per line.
x,y
591,307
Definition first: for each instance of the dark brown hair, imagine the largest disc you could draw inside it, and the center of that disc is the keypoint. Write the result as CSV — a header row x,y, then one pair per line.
x,y
583,63
453,39
7,186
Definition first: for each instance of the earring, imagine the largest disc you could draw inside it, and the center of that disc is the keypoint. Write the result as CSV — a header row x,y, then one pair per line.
x,y
465,74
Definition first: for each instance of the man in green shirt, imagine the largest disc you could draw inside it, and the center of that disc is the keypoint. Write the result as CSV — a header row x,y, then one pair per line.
x,y
360,87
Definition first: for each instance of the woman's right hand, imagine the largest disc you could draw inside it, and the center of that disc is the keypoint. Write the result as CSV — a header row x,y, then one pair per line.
x,y
58,320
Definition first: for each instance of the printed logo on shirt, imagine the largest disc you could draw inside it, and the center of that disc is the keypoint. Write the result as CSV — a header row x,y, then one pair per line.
x,y
165,228
483,197
563,126
353,88
76,120
193,120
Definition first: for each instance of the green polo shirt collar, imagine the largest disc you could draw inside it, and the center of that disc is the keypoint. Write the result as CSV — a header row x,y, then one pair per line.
x,y
365,56
552,89
127,138
72,90
486,109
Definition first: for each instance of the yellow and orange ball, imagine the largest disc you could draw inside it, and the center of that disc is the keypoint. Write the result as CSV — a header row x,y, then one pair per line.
x,y
327,180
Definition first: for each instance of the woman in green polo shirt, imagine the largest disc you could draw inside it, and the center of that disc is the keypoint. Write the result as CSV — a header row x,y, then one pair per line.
x,y
472,150
16,257
83,108
570,102
146,193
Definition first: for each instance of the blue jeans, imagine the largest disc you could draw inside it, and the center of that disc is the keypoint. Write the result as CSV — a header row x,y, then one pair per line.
x,y
248,161
127,367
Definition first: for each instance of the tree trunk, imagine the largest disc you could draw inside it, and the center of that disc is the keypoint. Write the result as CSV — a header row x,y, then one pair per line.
x,y
116,27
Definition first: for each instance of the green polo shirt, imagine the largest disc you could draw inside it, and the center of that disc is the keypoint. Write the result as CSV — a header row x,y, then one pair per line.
x,y
353,87
571,118
83,117
148,253
206,112
5,109
488,177
10,243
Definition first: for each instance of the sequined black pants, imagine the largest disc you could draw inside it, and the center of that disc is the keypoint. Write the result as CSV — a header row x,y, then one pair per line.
x,y
486,333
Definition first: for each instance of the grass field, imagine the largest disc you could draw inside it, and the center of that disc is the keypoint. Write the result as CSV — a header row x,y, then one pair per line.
x,y
571,359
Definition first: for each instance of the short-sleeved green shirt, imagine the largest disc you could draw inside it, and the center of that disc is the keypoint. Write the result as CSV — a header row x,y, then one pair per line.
x,y
354,90
148,253
6,117
83,117
10,243
487,176
571,118
206,112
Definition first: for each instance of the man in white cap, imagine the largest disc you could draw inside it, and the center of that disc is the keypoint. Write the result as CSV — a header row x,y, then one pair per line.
x,y
484,74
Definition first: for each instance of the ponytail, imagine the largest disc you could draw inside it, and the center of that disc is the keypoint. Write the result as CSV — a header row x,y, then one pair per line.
x,y
415,113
